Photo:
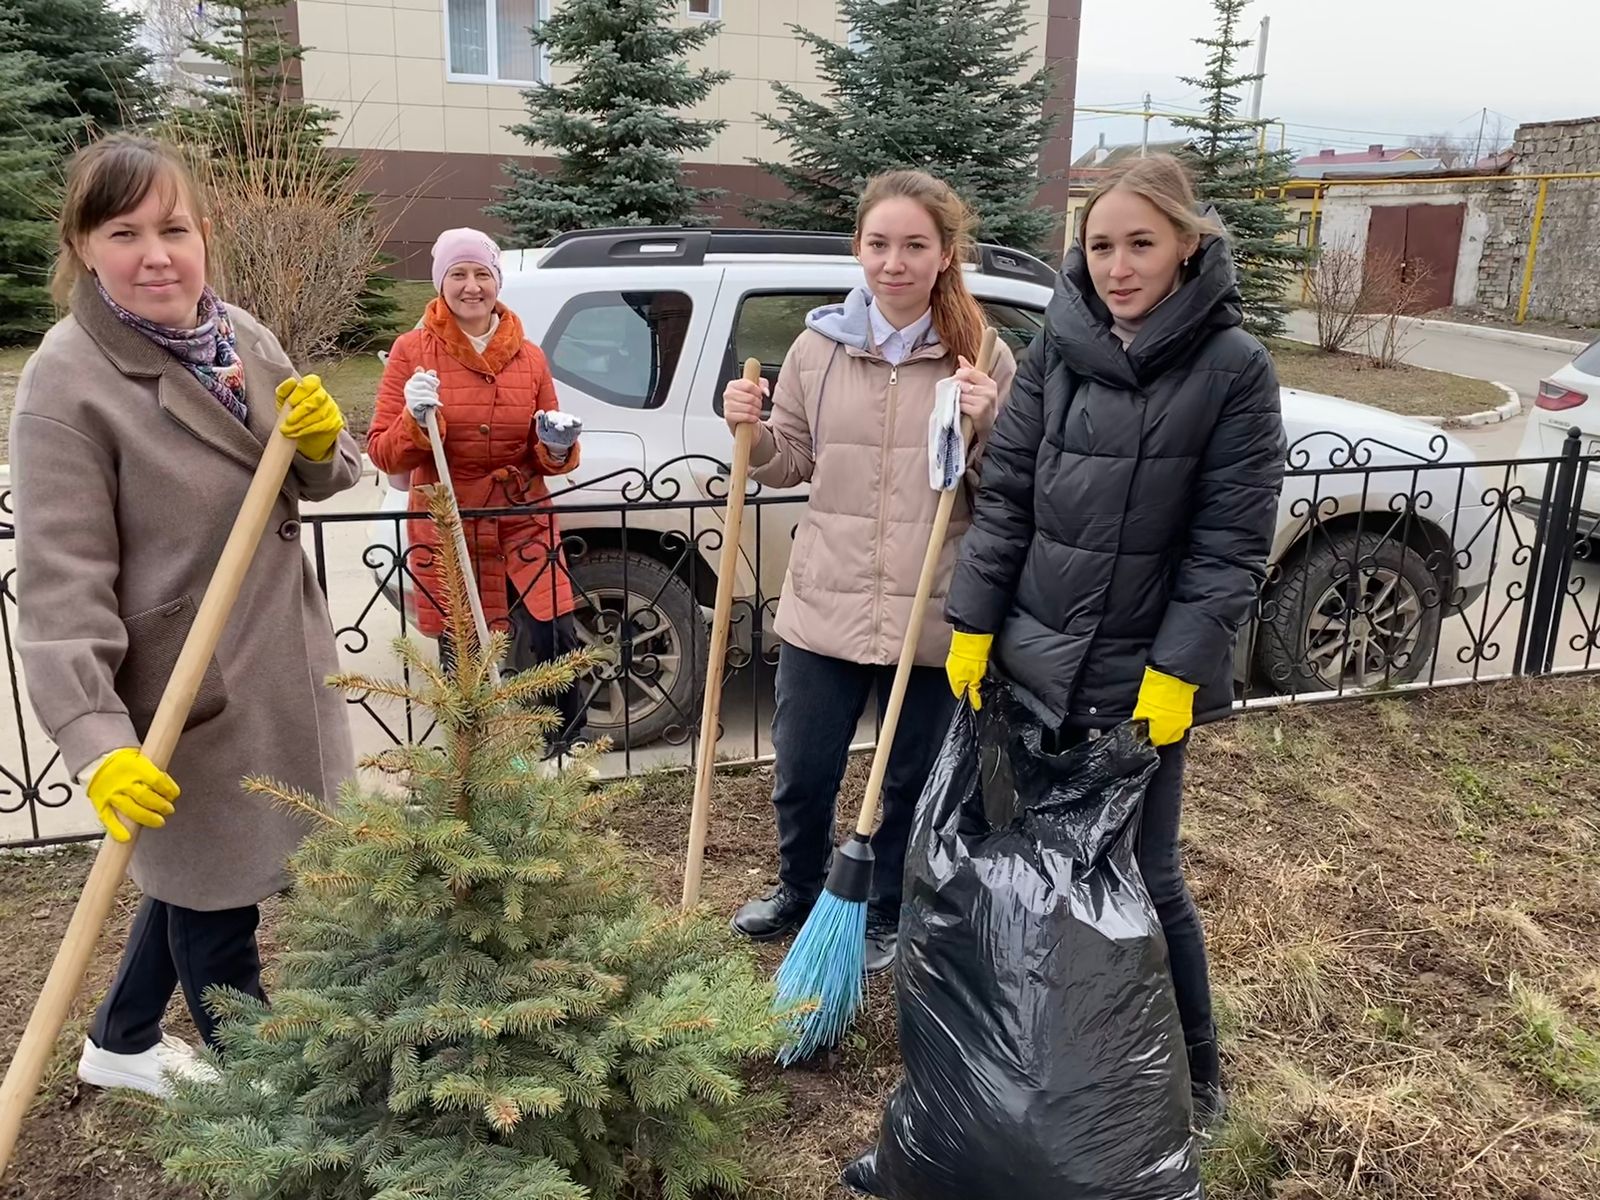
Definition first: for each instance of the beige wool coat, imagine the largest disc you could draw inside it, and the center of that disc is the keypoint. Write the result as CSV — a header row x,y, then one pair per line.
x,y
856,428
126,477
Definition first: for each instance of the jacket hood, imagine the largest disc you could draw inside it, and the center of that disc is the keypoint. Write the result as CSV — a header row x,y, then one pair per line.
x,y
846,323
1206,301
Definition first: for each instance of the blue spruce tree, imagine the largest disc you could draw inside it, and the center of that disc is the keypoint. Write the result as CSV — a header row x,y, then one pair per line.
x,y
476,998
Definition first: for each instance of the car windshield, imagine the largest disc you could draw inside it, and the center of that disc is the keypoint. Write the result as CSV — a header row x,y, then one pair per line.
x,y
1589,360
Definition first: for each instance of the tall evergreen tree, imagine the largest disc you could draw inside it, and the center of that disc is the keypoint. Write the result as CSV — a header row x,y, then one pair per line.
x,y
92,50
1236,175
30,140
68,69
476,997
253,109
939,85
616,128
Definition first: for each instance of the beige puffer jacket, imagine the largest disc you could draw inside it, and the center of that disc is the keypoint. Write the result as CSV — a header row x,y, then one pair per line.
x,y
856,428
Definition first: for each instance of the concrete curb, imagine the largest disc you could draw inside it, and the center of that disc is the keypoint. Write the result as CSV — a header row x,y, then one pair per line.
x,y
1489,333
1489,416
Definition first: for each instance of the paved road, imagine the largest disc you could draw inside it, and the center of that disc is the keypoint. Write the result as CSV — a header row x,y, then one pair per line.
x,y
1520,367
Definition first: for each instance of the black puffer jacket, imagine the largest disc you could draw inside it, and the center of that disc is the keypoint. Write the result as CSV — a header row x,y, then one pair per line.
x,y
1128,502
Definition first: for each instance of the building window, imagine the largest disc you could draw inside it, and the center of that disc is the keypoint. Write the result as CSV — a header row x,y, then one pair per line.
x,y
706,10
491,41
1309,234
620,347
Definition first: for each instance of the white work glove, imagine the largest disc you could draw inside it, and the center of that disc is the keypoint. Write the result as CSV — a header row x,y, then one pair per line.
x,y
558,432
422,395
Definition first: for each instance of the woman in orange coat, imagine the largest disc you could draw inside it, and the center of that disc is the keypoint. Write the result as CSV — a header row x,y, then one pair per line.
x,y
495,405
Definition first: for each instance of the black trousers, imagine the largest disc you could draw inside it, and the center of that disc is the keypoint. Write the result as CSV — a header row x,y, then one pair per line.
x,y
533,642
1162,869
819,702
169,946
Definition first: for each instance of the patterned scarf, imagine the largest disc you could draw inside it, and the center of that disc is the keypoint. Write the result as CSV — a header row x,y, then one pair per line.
x,y
210,350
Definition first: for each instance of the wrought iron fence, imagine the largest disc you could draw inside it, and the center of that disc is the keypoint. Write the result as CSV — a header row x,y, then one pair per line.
x,y
1394,570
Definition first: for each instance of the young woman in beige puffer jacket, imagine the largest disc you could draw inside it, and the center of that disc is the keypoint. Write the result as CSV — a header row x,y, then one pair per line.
x,y
850,417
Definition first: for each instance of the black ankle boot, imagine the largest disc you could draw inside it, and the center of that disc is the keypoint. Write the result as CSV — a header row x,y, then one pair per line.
x,y
883,940
1205,1084
780,911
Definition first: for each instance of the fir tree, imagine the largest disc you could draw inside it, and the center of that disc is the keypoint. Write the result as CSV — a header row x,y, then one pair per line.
x,y
938,85
91,49
616,127
30,138
68,69
251,110
476,999
1236,176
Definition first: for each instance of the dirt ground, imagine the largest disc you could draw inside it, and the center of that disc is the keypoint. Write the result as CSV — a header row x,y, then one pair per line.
x,y
1478,316
1410,391
1402,904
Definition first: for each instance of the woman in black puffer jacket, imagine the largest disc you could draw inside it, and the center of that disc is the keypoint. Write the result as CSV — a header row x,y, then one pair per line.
x,y
1129,498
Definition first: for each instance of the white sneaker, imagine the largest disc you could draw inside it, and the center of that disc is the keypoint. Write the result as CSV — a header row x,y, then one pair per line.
x,y
144,1072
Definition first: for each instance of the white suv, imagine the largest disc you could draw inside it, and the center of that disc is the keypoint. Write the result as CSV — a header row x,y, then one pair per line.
x,y
644,326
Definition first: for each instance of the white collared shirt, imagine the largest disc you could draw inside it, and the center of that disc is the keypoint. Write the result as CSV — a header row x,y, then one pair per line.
x,y
896,345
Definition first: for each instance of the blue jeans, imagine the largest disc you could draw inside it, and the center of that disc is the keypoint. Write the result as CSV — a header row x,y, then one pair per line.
x,y
820,700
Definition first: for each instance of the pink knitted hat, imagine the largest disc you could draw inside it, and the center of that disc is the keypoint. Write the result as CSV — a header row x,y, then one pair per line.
x,y
463,246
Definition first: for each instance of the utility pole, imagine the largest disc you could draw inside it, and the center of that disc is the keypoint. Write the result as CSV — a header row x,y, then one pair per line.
x,y
1261,69
1477,149
1144,142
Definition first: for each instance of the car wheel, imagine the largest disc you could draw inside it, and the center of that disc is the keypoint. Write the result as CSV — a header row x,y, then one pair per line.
x,y
1349,612
646,617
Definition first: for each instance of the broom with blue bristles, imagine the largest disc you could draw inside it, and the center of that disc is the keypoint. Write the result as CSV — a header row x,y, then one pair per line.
x,y
823,977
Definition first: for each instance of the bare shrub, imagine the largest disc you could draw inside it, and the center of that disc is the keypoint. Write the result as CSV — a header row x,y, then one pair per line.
x,y
1393,290
297,237
1337,286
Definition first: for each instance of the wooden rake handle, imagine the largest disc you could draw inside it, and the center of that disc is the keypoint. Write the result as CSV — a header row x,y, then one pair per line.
x,y
919,606
474,601
711,710
111,863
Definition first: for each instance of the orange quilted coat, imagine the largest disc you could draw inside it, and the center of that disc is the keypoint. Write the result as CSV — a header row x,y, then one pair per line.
x,y
486,416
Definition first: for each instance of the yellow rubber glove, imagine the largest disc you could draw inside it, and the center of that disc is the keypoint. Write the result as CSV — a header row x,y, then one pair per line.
x,y
1167,703
129,783
313,419
969,659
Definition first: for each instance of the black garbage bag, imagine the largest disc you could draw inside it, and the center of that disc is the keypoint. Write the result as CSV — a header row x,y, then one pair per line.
x,y
1044,1057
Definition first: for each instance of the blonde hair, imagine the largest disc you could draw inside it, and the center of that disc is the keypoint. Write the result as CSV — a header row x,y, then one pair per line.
x,y
110,177
1163,181
957,317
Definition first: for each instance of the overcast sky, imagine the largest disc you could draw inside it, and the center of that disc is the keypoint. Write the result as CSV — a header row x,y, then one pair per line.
x,y
1368,70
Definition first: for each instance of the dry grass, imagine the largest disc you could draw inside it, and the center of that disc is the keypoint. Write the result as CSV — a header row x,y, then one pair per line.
x,y
1410,391
1402,907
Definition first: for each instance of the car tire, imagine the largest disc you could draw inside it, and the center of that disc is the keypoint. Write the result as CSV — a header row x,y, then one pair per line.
x,y
1366,605
658,671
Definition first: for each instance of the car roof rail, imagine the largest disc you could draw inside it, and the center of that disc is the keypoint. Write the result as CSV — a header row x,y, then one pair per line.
x,y
678,246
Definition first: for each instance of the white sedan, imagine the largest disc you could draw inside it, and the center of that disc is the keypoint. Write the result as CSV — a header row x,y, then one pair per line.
x,y
1569,399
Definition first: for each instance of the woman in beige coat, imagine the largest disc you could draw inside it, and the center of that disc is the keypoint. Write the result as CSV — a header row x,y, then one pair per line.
x,y
139,423
850,416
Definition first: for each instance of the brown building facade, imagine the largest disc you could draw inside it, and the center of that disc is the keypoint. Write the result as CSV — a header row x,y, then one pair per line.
x,y
427,90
